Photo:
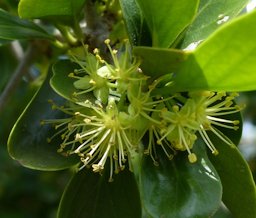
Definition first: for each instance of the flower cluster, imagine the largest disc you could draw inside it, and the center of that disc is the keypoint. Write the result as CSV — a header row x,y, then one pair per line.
x,y
125,110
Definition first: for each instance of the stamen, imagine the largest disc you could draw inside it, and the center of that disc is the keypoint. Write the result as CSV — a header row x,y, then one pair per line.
x,y
221,136
169,130
111,171
224,126
207,141
100,166
79,149
150,118
183,140
121,149
91,132
214,98
75,94
220,119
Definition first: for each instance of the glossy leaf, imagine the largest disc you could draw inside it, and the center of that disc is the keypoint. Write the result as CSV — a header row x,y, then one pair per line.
x,y
218,62
136,26
91,195
211,15
13,28
27,142
165,60
177,188
239,193
57,10
63,84
221,63
223,212
167,19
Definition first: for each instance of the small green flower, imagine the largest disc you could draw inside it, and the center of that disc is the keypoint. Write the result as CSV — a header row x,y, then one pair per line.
x,y
181,128
146,109
95,135
89,78
129,108
124,68
197,114
154,140
211,108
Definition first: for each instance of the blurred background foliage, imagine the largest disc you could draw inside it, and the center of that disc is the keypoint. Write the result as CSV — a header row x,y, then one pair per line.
x,y
248,142
26,193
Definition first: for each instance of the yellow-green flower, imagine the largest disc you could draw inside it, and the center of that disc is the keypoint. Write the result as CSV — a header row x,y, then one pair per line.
x,y
95,136
211,113
89,77
199,113
181,128
130,109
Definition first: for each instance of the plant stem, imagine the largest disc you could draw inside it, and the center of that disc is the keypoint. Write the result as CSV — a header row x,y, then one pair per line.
x,y
60,45
96,29
17,50
20,71
67,34
78,31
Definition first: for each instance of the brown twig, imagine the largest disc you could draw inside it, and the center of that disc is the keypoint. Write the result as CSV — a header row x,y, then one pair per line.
x,y
96,29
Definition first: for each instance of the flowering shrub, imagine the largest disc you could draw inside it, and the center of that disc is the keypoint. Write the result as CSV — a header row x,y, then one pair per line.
x,y
139,100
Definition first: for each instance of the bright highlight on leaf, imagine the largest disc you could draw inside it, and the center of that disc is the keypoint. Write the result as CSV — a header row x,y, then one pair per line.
x,y
210,16
223,62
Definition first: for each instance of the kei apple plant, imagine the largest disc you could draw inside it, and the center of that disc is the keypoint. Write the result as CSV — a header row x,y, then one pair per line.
x,y
139,100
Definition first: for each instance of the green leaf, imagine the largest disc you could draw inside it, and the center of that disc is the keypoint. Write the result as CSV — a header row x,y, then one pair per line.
x,y
167,19
239,193
177,188
63,84
13,28
222,213
211,15
91,195
27,142
136,26
57,10
223,62
165,60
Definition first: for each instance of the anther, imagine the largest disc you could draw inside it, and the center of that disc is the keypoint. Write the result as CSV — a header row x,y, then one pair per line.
x,y
192,158
107,41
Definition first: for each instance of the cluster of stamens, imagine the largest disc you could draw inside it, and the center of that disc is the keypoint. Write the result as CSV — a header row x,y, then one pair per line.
x,y
125,111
